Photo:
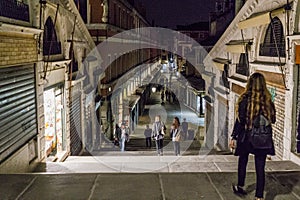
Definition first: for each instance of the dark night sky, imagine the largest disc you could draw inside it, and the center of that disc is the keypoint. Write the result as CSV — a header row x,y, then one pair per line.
x,y
169,13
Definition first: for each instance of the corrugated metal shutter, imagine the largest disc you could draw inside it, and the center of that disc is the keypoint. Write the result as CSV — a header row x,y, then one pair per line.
x,y
222,126
75,126
18,121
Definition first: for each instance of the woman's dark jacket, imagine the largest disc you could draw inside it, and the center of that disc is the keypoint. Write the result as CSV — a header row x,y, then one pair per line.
x,y
239,133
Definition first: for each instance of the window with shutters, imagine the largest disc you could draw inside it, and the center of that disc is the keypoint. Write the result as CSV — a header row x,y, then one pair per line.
x,y
274,42
224,78
13,9
51,46
242,67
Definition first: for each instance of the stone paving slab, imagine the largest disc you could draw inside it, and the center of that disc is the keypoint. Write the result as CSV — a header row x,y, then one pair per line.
x,y
156,186
188,186
66,186
127,186
13,185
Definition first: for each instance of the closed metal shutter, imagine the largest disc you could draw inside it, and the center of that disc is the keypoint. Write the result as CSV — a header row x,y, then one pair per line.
x,y
209,124
75,126
222,139
18,121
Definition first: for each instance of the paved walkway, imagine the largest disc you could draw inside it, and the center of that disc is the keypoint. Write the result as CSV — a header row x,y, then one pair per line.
x,y
148,186
127,176
140,174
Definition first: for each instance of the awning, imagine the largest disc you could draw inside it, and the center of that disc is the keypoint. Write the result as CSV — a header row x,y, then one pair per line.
x,y
238,46
260,18
220,62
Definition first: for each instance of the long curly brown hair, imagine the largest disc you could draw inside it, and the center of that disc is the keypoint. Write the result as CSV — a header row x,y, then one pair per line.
x,y
258,99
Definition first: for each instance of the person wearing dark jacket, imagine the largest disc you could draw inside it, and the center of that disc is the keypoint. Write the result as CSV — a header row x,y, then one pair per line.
x,y
255,100
117,135
148,133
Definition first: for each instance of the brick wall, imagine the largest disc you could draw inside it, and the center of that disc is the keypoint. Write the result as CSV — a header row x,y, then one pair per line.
x,y
278,128
17,49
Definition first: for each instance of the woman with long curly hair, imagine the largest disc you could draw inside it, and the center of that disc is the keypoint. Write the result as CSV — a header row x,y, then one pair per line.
x,y
255,100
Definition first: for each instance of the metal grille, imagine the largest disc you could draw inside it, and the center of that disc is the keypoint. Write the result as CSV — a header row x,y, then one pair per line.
x,y
274,36
75,126
18,121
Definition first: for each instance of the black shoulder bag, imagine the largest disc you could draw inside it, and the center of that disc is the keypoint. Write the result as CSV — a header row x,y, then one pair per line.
x,y
261,133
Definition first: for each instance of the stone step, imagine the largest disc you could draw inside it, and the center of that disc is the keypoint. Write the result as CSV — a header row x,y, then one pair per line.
x,y
116,163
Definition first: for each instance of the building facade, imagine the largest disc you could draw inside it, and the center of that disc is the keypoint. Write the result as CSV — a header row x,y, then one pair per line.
x,y
261,38
118,101
39,60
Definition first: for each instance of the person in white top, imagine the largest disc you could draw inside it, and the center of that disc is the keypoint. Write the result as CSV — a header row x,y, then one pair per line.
x,y
158,132
124,137
176,134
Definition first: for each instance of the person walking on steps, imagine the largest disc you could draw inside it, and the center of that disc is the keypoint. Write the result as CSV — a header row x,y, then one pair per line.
x,y
162,95
176,135
158,133
124,136
185,127
254,101
117,135
147,133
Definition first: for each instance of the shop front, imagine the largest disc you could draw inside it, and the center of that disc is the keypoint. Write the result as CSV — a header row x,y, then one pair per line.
x,y
55,140
195,101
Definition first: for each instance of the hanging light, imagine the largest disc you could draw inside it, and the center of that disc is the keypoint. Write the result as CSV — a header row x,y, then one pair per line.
x,y
153,89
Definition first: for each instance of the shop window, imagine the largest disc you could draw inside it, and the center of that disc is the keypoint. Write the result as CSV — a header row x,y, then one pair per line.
x,y
242,67
54,137
274,42
51,46
224,78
